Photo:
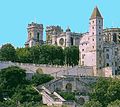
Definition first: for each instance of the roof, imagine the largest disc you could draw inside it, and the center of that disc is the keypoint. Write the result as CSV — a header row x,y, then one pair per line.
x,y
96,13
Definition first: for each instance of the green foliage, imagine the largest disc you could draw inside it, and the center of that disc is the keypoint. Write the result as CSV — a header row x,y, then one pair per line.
x,y
23,55
106,90
39,79
71,55
7,53
17,90
92,104
68,95
12,76
116,103
45,54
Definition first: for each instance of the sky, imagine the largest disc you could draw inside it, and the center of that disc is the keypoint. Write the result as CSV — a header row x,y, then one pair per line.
x,y
16,14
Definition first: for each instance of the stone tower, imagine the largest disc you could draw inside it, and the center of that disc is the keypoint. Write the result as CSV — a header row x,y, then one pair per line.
x,y
95,31
54,38
35,34
68,37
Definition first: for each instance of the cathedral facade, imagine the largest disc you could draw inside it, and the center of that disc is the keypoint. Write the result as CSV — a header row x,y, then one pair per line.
x,y
56,36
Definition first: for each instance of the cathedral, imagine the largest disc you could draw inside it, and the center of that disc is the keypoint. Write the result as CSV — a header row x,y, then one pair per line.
x,y
98,48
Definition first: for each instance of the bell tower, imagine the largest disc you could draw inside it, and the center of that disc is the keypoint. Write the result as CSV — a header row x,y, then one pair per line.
x,y
35,34
95,32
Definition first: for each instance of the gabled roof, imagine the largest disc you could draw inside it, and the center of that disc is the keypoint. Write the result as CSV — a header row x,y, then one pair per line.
x,y
96,13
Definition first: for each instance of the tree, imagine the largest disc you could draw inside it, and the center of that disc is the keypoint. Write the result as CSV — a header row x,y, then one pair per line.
x,y
106,90
39,79
12,76
92,104
23,55
8,53
71,55
116,103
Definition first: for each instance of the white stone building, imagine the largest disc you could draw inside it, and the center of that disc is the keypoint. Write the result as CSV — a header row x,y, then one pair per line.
x,y
98,49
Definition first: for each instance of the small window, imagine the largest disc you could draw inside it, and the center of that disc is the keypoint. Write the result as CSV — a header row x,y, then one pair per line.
x,y
92,21
92,27
83,56
99,46
99,27
82,49
107,64
93,39
107,50
93,47
82,62
99,21
115,53
99,33
99,39
93,33
107,56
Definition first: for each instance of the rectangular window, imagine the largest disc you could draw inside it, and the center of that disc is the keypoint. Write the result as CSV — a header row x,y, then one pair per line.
x,y
82,62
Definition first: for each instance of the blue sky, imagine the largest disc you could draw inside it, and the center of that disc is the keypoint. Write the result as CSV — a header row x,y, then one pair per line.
x,y
16,14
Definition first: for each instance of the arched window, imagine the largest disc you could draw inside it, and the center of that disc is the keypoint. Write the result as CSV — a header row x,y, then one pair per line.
x,y
69,87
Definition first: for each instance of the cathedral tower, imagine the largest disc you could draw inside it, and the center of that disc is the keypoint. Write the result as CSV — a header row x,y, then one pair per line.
x,y
35,34
68,37
95,31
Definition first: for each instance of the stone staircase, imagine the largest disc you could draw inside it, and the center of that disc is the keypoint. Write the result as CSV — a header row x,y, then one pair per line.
x,y
50,98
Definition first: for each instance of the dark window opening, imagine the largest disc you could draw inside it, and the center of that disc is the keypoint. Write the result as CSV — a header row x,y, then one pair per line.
x,y
71,41
115,37
38,36
107,64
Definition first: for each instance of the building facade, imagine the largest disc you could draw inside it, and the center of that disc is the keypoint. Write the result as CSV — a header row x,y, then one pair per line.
x,y
56,36
99,47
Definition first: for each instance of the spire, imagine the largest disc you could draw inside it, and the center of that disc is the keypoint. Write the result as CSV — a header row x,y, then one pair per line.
x,y
95,13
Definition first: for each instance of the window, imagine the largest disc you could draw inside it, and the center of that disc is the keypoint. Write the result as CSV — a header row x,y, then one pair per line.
x,y
115,37
99,39
107,56
92,27
82,62
83,56
99,33
82,49
93,47
115,53
99,46
92,21
107,50
107,64
93,33
93,39
99,21
99,27
38,36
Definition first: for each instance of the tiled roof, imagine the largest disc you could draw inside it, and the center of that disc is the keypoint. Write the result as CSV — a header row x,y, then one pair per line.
x,y
95,13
